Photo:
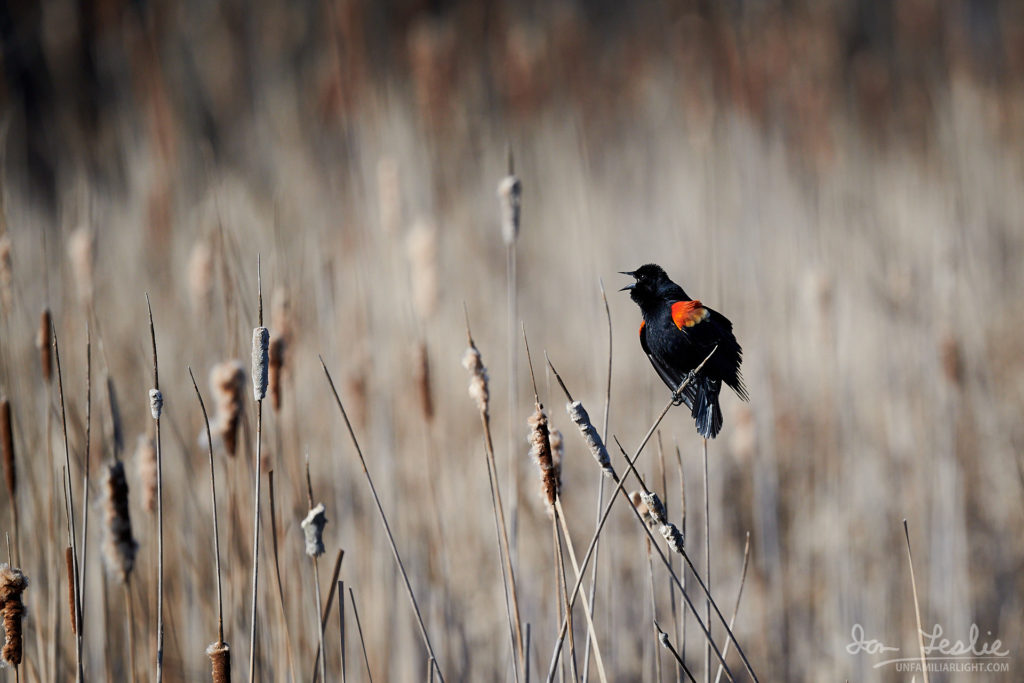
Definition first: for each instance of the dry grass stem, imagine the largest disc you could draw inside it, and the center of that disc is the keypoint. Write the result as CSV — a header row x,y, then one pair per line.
x,y
736,606
667,644
917,605
156,403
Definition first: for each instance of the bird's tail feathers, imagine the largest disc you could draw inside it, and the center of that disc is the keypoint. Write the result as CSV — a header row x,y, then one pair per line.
x,y
705,409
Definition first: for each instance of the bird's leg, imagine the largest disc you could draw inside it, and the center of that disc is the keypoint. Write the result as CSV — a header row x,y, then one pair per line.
x,y
677,396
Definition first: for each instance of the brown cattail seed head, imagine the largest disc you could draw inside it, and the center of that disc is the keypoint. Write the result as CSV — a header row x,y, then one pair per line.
x,y
540,449
43,344
313,526
7,444
275,370
119,546
578,414
6,274
260,361
281,313
510,192
227,381
472,361
423,381
12,584
220,660
69,561
145,463
557,450
156,403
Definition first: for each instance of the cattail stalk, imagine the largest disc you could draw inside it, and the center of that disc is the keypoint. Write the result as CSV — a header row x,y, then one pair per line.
x,y
156,403
362,641
736,606
260,352
43,344
277,571
313,528
707,562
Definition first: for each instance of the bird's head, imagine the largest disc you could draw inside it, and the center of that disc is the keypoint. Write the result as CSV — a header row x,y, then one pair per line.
x,y
651,285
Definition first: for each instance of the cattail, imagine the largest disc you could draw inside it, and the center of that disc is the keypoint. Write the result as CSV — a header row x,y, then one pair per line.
x,y
6,274
43,344
117,435
423,381
510,192
227,382
578,414
540,450
472,361
118,545
260,361
220,660
275,369
156,403
669,531
12,584
557,450
80,253
145,464
7,444
421,249
313,526
200,276
281,314
952,360
641,507
389,197
69,560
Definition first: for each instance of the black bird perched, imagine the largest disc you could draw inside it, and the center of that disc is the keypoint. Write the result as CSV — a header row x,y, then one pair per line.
x,y
677,333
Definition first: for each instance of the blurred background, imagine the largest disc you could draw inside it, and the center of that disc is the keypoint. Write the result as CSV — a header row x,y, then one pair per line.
x,y
843,179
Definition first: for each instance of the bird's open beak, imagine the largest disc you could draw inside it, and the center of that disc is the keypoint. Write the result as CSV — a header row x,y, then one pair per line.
x,y
631,285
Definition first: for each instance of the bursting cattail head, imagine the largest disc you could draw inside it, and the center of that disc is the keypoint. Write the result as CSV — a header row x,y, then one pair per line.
x,y
7,444
12,610
423,381
260,361
220,660
119,547
641,507
156,403
43,344
313,527
200,277
227,382
540,450
69,562
668,531
80,253
6,274
510,192
421,249
578,414
472,361
145,464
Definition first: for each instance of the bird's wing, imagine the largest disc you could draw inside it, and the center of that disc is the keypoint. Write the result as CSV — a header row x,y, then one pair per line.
x,y
669,378
689,313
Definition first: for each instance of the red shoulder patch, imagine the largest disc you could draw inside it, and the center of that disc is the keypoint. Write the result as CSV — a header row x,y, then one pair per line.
x,y
688,313
643,323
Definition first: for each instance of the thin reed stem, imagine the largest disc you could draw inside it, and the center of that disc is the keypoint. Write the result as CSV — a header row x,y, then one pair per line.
x,y
667,644
130,626
88,440
77,598
277,572
917,606
383,518
736,607
327,609
320,617
707,562
256,498
341,629
156,405
362,641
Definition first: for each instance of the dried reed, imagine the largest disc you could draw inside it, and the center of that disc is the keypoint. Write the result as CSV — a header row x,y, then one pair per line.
x,y
260,361
200,277
145,464
43,344
6,275
10,468
917,605
313,529
156,403
736,605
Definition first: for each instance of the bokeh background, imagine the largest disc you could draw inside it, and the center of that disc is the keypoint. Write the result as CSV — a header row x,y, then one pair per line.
x,y
844,179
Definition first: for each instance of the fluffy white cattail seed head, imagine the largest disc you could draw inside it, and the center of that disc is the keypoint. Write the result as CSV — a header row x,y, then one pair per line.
x,y
260,361
578,414
472,361
313,526
156,403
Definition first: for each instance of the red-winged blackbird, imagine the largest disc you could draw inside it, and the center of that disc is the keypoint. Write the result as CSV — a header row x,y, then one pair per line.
x,y
677,333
